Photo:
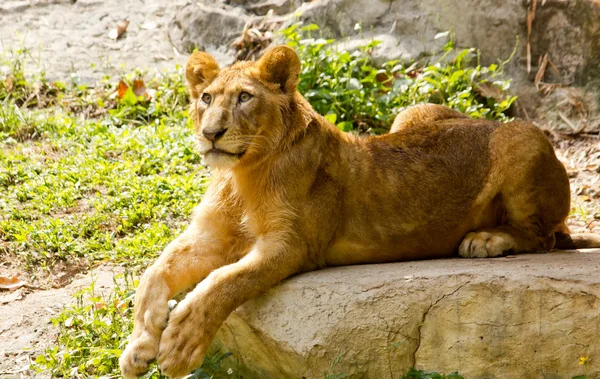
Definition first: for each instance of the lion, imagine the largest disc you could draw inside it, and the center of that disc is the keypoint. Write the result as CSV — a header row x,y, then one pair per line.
x,y
291,193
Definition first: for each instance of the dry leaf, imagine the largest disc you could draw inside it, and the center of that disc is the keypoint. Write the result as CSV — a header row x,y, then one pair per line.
x,y
489,90
9,84
530,18
539,76
11,284
574,129
139,88
547,88
99,305
383,78
122,89
553,67
117,32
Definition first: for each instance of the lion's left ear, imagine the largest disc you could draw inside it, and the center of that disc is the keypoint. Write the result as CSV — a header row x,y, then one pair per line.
x,y
280,65
201,68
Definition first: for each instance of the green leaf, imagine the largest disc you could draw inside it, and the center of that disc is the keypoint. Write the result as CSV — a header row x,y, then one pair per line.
x,y
129,97
345,126
309,28
331,117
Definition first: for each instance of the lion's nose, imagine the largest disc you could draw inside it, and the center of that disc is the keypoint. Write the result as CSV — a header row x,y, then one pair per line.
x,y
213,134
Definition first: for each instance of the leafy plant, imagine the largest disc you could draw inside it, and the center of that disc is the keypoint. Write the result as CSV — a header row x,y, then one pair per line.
x,y
93,189
356,95
17,88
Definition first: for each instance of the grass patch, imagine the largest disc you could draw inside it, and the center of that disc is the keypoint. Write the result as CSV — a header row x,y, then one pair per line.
x,y
93,332
89,189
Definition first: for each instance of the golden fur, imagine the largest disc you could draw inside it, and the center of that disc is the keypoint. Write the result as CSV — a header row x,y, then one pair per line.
x,y
291,193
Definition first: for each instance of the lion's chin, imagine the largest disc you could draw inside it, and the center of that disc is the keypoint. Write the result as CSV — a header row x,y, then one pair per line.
x,y
220,159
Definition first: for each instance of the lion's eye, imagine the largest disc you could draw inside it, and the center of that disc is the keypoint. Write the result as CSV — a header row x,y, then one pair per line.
x,y
245,96
206,98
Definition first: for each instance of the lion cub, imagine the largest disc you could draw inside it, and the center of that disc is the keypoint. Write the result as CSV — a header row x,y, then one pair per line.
x,y
291,193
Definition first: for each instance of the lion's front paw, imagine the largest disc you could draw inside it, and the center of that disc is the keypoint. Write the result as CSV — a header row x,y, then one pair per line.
x,y
138,356
183,343
485,244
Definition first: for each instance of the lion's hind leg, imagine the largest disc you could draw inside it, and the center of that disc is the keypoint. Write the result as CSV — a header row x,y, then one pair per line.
x,y
533,189
423,113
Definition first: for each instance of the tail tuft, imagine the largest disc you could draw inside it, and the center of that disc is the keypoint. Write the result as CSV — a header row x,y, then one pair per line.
x,y
566,241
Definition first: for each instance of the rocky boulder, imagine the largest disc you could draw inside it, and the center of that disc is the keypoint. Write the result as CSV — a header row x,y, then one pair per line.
x,y
516,317
209,28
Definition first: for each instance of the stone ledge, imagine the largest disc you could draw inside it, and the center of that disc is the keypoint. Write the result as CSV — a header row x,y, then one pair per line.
x,y
516,317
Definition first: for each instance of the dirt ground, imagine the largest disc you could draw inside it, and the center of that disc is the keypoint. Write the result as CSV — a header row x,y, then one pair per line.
x,y
48,26
25,328
581,157
73,36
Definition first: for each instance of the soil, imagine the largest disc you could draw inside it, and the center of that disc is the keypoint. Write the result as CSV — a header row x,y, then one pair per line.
x,y
25,327
72,37
581,157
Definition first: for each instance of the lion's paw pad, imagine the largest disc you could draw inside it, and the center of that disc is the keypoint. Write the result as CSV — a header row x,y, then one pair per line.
x,y
485,245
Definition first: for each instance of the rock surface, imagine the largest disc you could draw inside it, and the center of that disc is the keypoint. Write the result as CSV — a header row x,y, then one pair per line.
x,y
524,316
209,28
568,31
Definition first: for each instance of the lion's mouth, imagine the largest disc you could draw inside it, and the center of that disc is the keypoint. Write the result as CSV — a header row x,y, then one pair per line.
x,y
218,152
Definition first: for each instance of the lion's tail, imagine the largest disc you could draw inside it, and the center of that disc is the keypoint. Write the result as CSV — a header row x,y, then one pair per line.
x,y
576,241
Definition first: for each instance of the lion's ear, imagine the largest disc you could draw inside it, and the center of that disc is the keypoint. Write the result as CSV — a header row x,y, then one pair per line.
x,y
201,68
280,65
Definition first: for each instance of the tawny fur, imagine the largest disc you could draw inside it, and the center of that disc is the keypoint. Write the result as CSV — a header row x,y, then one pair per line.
x,y
291,193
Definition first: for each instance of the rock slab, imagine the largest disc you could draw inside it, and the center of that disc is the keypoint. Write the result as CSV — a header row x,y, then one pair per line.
x,y
526,316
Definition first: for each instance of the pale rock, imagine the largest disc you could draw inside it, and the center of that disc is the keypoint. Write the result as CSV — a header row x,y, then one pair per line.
x,y
209,28
526,316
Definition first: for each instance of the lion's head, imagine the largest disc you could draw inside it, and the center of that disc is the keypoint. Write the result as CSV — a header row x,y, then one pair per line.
x,y
239,111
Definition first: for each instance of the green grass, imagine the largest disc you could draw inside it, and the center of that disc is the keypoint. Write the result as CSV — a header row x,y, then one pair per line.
x,y
92,189
93,332
89,174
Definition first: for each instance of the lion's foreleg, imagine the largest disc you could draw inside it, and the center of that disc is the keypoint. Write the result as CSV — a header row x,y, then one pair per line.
x,y
194,322
185,262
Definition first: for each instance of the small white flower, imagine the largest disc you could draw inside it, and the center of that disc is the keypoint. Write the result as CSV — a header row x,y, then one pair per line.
x,y
229,371
357,26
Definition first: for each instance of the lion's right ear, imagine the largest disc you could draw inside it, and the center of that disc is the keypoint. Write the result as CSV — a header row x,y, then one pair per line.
x,y
280,65
201,68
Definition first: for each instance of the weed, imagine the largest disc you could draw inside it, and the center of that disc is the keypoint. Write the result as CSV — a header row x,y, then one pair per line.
x,y
93,190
